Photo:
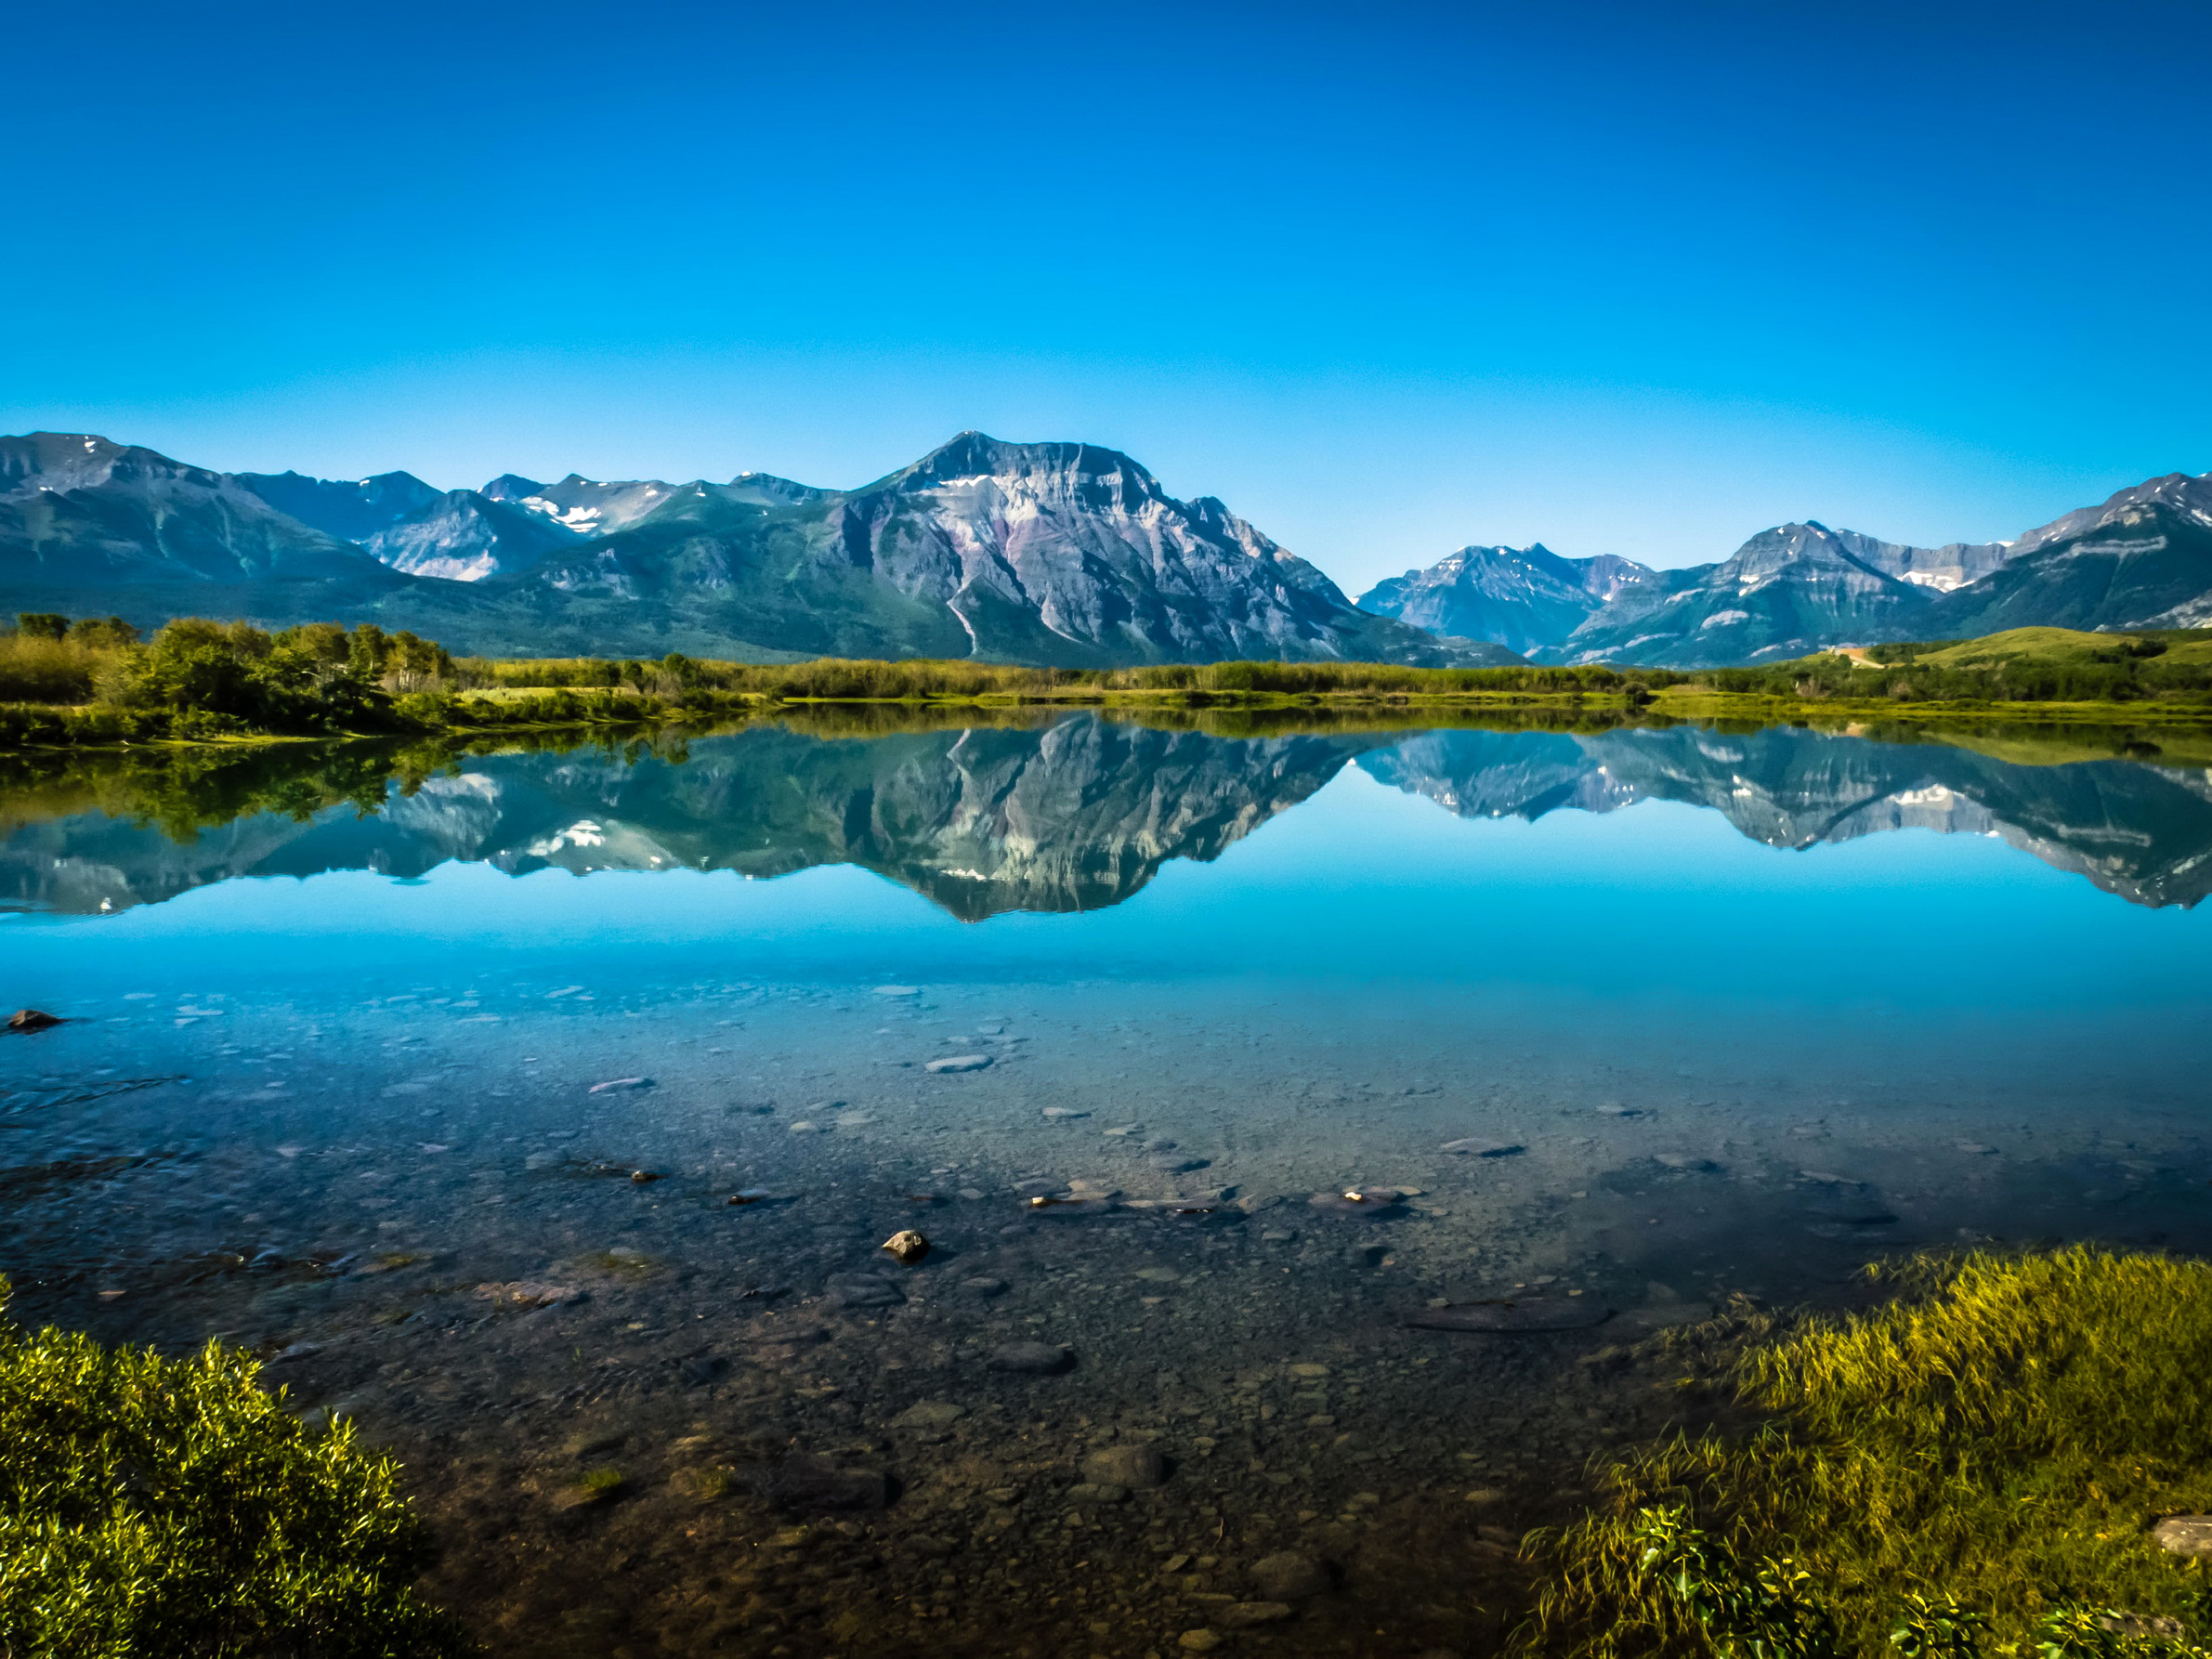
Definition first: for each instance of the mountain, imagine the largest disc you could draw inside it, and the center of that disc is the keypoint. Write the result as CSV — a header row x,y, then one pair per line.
x,y
462,535
1054,554
1522,597
1060,554
1785,592
117,527
2143,559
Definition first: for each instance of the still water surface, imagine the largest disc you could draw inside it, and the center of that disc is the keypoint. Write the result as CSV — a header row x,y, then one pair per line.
x,y
1704,1014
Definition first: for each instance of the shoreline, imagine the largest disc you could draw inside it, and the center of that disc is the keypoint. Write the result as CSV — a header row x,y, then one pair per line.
x,y
1669,705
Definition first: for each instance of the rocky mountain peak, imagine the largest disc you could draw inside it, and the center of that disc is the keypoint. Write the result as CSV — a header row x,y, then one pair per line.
x,y
2183,494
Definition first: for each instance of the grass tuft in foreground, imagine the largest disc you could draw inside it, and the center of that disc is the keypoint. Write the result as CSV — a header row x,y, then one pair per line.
x,y
156,1508
1973,1468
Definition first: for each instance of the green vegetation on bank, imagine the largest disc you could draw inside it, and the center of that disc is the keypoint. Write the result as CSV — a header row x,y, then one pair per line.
x,y
2033,665
95,680
1974,1467
152,1508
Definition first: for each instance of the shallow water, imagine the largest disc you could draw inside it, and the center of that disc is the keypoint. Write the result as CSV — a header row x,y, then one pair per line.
x,y
1709,1012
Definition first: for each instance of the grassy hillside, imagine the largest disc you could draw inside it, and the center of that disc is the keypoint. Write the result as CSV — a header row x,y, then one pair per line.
x,y
2044,665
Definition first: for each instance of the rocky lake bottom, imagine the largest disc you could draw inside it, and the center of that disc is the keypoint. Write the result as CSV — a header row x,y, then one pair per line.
x,y
1298,1229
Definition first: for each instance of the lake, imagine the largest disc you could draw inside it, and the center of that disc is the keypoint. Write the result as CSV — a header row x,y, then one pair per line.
x,y
544,1109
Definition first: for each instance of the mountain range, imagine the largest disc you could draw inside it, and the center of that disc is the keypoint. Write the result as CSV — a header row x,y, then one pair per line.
x,y
1059,555
2143,559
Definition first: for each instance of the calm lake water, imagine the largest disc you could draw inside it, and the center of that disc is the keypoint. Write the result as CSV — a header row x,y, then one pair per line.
x,y
371,1056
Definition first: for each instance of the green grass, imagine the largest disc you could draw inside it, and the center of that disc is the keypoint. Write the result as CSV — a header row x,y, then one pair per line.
x,y
1995,1445
156,1508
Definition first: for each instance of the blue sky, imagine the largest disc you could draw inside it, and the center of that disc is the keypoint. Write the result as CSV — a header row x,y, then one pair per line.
x,y
1387,278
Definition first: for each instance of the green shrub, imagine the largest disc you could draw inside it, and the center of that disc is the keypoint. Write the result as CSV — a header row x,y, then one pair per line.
x,y
159,1509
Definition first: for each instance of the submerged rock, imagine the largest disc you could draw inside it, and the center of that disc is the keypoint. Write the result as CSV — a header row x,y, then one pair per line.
x,y
1238,1614
1289,1575
2185,1535
807,1483
907,1246
955,1063
33,1019
1036,1359
863,1290
1136,1466
1530,1313
929,1417
617,1085
1363,1200
1476,1146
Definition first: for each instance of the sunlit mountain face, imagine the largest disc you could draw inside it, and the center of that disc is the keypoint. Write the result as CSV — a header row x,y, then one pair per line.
x,y
1076,813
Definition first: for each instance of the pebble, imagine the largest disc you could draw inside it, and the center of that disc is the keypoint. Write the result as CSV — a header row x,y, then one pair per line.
x,y
953,1062
1198,1641
1036,1359
1134,1464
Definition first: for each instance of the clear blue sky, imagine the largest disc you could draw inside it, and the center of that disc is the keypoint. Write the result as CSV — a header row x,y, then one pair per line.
x,y
1388,277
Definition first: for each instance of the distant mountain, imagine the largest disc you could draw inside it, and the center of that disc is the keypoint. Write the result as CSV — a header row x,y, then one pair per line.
x,y
2143,559
462,535
1058,555
1785,592
1522,597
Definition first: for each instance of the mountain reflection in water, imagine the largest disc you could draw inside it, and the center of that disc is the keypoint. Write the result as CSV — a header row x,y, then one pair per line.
x,y
1074,813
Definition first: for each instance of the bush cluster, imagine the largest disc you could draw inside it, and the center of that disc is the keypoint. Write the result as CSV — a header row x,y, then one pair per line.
x,y
159,1509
